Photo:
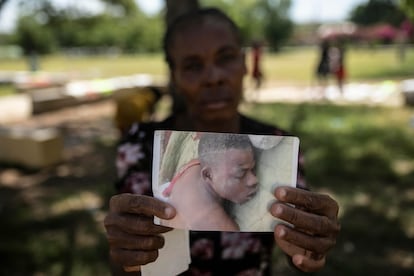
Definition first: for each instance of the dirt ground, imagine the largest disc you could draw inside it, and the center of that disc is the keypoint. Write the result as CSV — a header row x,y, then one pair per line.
x,y
52,218
51,213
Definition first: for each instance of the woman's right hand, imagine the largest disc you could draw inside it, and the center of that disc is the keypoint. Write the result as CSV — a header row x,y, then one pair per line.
x,y
133,238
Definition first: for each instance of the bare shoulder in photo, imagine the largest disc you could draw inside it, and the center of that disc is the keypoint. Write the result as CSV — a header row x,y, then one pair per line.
x,y
222,181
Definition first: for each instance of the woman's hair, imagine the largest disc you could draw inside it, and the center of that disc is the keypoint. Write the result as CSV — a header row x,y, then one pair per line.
x,y
193,19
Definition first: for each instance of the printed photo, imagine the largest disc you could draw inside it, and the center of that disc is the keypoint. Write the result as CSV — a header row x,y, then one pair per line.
x,y
222,181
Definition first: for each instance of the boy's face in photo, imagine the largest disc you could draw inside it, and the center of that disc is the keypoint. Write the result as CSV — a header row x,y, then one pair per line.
x,y
208,70
233,176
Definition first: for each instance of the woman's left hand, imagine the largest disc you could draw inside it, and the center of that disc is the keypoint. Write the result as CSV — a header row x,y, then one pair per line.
x,y
313,228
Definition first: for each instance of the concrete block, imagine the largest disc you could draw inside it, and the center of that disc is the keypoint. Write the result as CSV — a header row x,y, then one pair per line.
x,y
32,148
407,89
15,108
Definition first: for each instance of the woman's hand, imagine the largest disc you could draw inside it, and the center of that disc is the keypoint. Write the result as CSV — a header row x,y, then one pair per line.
x,y
134,239
314,226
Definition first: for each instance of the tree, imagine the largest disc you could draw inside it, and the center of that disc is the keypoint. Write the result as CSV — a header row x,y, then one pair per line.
x,y
2,2
259,19
408,7
126,7
33,37
122,25
277,25
244,13
378,11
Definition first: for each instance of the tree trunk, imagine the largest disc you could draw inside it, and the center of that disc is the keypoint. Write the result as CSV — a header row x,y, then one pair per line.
x,y
178,7
2,2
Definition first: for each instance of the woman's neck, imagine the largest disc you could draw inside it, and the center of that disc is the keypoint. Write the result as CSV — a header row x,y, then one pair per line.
x,y
185,122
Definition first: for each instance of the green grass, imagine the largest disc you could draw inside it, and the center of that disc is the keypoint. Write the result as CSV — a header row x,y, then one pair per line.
x,y
55,226
6,90
363,157
94,66
298,65
380,64
294,65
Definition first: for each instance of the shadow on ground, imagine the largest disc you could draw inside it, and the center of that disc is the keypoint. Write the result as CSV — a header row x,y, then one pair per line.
x,y
362,156
52,218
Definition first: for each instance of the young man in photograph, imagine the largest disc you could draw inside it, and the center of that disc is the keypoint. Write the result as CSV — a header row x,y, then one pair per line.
x,y
223,173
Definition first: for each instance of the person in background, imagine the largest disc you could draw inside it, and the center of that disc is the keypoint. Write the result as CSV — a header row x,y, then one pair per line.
x,y
136,106
337,66
209,77
323,69
257,73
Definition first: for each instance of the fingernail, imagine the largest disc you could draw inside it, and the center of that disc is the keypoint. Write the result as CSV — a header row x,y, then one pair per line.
x,y
282,233
282,193
298,260
278,210
169,212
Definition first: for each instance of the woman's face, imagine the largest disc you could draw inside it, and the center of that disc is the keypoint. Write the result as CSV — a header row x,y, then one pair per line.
x,y
208,71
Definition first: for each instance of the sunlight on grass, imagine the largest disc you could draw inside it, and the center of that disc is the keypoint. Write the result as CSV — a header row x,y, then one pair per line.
x,y
380,64
107,66
403,166
6,90
84,200
402,258
94,66
361,156
291,65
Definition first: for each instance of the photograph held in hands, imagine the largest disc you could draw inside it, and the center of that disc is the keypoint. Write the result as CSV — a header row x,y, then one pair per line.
x,y
222,181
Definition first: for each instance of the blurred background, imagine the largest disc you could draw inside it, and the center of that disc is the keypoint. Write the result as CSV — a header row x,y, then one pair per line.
x,y
66,65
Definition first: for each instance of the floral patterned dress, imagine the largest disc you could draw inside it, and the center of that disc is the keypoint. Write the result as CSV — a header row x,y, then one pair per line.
x,y
212,253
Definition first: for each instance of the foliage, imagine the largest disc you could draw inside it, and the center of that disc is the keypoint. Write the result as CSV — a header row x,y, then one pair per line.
x,y
2,2
143,34
127,7
259,20
278,27
33,37
43,27
242,12
408,7
377,11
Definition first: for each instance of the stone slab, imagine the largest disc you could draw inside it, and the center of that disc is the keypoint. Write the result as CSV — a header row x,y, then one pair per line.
x,y
15,108
32,148
407,89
